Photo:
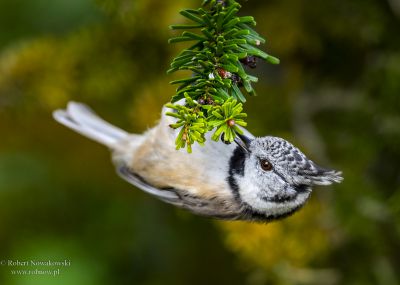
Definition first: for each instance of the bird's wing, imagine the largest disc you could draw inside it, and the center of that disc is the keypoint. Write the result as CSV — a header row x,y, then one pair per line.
x,y
211,208
167,195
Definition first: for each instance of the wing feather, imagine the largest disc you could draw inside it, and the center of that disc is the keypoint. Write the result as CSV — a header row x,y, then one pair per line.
x,y
167,195
211,208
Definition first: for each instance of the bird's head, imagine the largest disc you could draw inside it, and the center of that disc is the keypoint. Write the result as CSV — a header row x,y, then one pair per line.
x,y
272,178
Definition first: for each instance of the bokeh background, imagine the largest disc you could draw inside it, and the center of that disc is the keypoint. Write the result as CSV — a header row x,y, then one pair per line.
x,y
335,94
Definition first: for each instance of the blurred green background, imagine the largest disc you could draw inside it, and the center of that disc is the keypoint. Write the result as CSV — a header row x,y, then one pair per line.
x,y
335,94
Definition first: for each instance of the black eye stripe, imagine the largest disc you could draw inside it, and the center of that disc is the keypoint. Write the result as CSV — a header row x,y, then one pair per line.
x,y
280,175
274,170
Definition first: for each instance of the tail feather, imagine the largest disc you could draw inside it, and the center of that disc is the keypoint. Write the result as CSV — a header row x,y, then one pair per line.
x,y
83,120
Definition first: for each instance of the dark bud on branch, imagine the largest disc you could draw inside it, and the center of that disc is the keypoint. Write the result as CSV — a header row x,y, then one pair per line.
x,y
222,2
250,61
236,80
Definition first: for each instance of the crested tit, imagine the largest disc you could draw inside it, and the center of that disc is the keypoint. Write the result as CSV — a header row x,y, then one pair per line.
x,y
259,178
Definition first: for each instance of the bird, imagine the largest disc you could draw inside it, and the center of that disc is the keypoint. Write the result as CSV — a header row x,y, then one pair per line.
x,y
259,179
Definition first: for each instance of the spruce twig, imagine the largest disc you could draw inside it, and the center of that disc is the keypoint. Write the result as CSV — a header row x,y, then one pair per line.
x,y
222,44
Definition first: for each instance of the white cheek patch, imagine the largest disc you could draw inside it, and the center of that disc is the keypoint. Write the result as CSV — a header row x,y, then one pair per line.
x,y
250,194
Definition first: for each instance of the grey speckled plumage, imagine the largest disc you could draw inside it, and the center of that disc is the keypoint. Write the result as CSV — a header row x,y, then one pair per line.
x,y
300,169
217,180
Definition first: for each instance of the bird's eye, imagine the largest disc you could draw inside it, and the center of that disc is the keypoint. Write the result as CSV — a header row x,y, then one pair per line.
x,y
265,165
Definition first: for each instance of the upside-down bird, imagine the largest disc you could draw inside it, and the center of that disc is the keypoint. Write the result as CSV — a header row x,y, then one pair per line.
x,y
258,178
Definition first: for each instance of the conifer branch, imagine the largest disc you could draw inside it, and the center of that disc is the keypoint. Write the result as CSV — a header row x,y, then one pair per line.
x,y
222,44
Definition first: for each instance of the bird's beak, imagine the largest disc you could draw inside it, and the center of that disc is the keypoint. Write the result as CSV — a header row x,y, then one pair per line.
x,y
243,142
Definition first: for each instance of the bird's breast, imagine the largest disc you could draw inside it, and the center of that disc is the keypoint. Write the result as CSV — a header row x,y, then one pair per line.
x,y
202,173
